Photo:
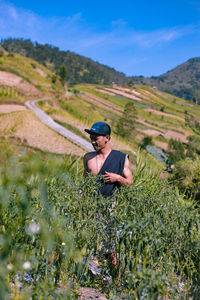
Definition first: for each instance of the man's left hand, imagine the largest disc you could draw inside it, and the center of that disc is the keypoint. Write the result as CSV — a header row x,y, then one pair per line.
x,y
111,177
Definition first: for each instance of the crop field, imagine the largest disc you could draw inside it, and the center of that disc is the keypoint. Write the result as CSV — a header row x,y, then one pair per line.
x,y
53,222
26,77
28,130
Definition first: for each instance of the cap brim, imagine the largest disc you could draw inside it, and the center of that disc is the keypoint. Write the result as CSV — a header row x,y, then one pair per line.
x,y
88,131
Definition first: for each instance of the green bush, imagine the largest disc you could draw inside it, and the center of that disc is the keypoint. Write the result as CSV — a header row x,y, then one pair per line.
x,y
147,140
187,177
10,54
175,150
33,65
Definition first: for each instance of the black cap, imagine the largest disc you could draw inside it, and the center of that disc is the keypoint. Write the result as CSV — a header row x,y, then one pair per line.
x,y
100,128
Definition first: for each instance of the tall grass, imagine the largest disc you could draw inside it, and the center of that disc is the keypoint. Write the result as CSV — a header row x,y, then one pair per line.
x,y
53,219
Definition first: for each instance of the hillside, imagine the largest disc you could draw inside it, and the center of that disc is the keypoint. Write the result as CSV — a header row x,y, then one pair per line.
x,y
80,69
22,78
158,115
182,81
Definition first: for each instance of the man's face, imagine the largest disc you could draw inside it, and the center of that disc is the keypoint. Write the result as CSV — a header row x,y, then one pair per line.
x,y
98,141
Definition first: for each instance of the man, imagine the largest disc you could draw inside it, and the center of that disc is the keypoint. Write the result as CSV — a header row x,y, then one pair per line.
x,y
112,165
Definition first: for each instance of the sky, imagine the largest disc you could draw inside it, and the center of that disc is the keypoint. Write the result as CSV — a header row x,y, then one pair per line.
x,y
147,37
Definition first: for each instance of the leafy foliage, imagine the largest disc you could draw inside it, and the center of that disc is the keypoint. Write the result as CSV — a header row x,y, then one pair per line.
x,y
53,220
147,140
63,73
126,124
176,151
186,176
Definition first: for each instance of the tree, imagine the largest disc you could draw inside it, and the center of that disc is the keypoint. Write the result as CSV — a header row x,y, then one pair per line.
x,y
126,124
63,73
147,140
196,96
175,150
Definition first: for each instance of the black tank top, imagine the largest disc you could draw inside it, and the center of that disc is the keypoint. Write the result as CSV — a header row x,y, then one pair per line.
x,y
114,163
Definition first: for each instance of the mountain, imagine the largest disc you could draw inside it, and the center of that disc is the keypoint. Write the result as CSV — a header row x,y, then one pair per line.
x,y
80,69
182,81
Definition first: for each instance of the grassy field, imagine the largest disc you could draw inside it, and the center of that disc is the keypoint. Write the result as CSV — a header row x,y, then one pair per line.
x,y
57,229
27,77
53,220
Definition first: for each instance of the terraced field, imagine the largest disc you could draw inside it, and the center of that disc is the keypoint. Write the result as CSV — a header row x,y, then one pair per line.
x,y
159,115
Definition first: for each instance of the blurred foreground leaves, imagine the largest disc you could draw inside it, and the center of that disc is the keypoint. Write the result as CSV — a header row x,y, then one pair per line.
x,y
52,220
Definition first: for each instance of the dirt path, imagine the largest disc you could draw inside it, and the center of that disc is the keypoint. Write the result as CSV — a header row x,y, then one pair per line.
x,y
160,113
44,118
128,90
8,108
122,93
152,132
105,92
90,293
176,136
101,103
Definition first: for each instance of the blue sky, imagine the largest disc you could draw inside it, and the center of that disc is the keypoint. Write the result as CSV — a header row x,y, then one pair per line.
x,y
147,37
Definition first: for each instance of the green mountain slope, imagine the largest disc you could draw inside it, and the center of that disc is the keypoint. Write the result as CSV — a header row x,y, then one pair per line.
x,y
22,78
182,81
80,69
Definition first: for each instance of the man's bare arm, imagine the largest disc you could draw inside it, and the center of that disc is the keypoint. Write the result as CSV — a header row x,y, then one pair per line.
x,y
85,160
126,179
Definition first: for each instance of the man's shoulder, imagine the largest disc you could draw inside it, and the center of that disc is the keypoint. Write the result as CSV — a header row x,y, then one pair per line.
x,y
119,156
118,153
89,155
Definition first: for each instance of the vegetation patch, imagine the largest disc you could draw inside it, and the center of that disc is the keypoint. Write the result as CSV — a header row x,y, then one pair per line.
x,y
60,221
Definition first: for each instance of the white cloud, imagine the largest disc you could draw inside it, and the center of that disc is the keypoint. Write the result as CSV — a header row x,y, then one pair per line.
x,y
73,32
117,46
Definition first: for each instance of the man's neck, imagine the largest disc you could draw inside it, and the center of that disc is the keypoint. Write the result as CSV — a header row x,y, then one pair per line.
x,y
104,151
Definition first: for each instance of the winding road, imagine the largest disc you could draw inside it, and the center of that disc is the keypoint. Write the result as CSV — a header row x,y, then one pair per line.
x,y
44,118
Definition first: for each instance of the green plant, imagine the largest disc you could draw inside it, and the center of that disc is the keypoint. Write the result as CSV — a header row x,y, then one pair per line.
x,y
53,79
147,140
186,176
33,65
10,54
175,150
53,220
63,73
126,124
